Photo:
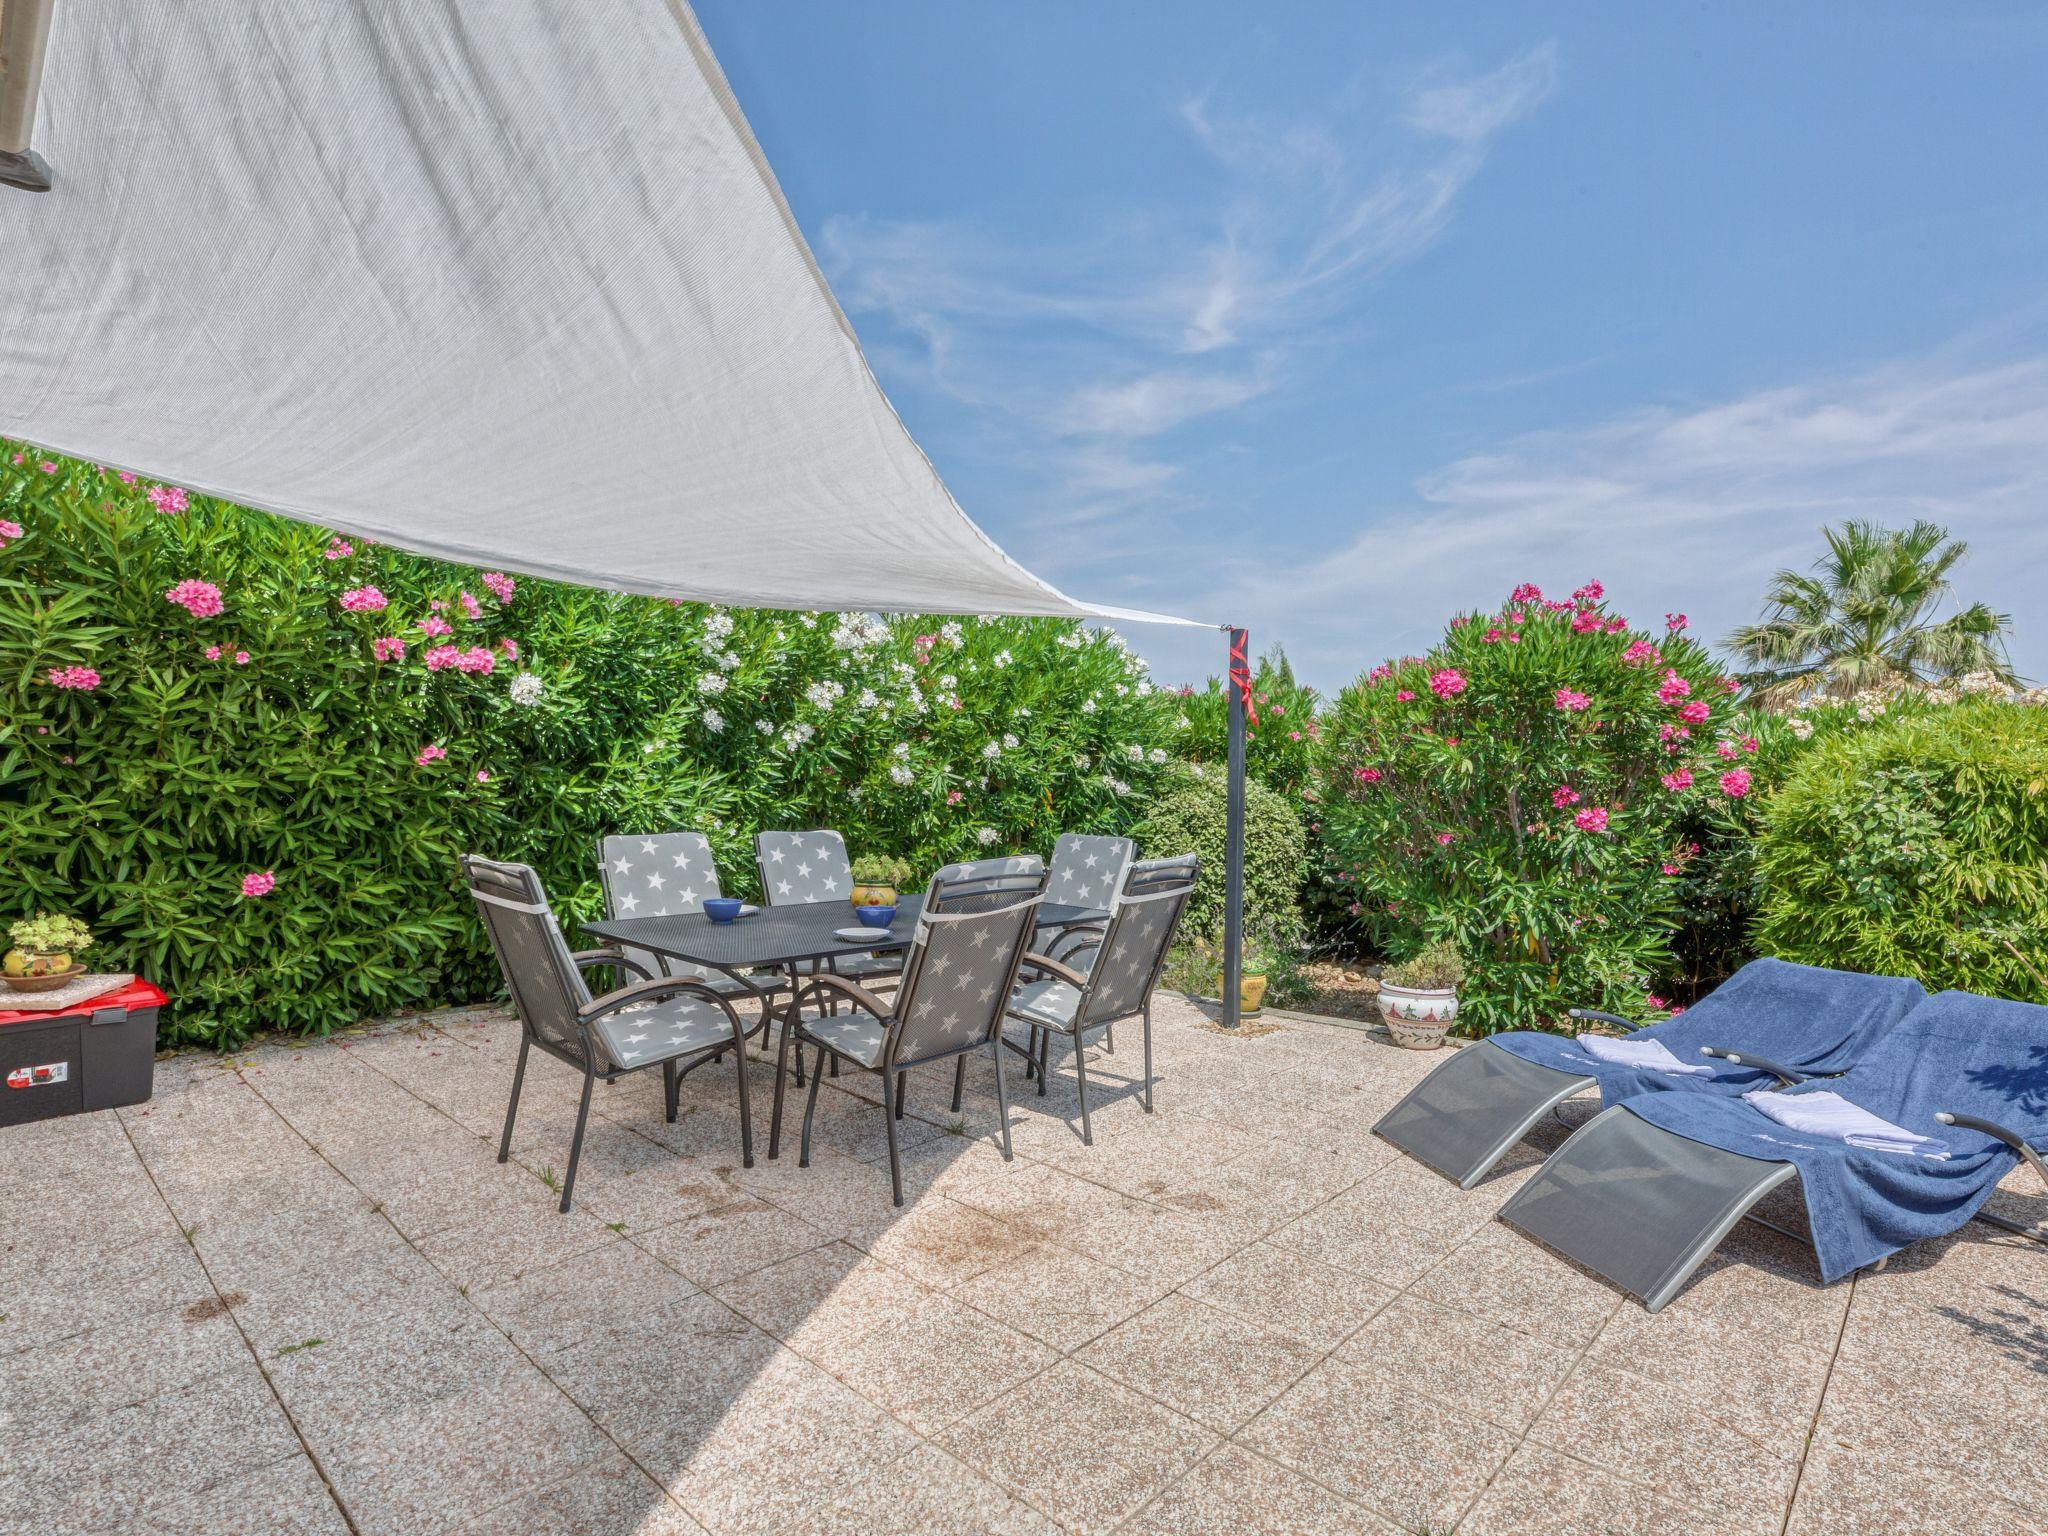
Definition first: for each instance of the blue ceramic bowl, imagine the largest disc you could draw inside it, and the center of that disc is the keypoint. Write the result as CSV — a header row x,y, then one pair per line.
x,y
722,909
876,917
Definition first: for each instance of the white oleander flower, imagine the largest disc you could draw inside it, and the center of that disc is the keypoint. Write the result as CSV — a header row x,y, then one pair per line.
x,y
526,689
713,720
992,751
711,683
1009,742
1156,755
1000,660
986,836
902,773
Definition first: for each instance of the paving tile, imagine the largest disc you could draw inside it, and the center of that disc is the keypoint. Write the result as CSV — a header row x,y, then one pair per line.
x,y
1541,1493
1058,1296
1458,1358
286,1498
1769,1394
824,1293
1846,1492
1636,1430
926,1493
1406,1456
611,1497
531,1235
1082,1449
731,1239
1211,1365
1152,1242
1500,1274
1234,1492
1290,1293
943,1243
934,1363
1393,1226
62,1381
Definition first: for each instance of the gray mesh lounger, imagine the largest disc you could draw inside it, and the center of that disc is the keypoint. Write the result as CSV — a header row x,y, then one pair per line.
x,y
1462,1118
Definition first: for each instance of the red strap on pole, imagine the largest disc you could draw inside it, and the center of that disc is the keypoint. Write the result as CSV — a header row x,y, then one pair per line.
x,y
1241,674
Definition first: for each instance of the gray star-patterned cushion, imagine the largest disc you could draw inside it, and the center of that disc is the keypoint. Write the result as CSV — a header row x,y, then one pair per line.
x,y
1046,1002
660,874
1088,871
1122,972
802,867
668,1026
855,1035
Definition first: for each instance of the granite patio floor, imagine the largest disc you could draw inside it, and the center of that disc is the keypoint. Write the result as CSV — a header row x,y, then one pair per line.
x,y
295,1293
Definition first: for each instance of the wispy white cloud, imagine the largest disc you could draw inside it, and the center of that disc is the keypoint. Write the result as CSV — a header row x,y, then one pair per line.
x,y
1478,107
1688,509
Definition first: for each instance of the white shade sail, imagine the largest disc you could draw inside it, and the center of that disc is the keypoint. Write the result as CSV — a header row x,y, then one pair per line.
x,y
504,281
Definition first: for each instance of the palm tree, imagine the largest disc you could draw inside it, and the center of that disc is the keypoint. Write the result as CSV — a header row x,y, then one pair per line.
x,y
1864,619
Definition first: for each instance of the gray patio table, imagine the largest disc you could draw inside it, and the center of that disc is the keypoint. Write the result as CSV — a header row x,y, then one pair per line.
x,y
784,938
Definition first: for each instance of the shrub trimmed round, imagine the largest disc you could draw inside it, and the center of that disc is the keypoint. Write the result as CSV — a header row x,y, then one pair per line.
x,y
1190,816
1919,849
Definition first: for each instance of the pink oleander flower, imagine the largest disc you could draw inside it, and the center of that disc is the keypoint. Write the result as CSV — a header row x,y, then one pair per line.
x,y
470,606
1447,682
1749,744
1279,710
1642,653
1673,688
337,548
1569,701
168,498
213,653
1402,695
1675,622
1514,637
1459,622
1676,1012
241,658
1729,685
1616,626
78,679
1555,605
475,659
8,530
1724,749
1491,637
1445,839
201,599
1379,673
954,797
1294,735
430,754
510,647
432,627
1653,1000
1696,712
1678,779
1527,592
364,600
1591,592
261,884
499,585
1670,869
1587,622
1564,795
125,477
388,648
48,467
483,775
442,656
1735,783
1368,775
1592,819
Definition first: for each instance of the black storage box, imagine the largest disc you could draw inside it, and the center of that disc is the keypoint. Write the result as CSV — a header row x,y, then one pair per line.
x,y
97,1057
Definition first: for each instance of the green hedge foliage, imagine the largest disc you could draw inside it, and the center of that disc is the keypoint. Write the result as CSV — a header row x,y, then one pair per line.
x,y
1918,847
254,798
1189,816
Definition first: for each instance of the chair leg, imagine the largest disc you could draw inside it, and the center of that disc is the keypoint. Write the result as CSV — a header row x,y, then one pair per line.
x,y
1109,1039
1081,1083
739,1062
960,1078
512,1109
902,1092
803,1159
889,1111
1044,1058
576,1141
1148,1055
1031,1054
671,1086
1002,1100
781,1070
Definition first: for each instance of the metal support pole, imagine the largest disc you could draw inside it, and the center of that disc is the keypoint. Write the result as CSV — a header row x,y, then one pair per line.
x,y
1233,889
24,33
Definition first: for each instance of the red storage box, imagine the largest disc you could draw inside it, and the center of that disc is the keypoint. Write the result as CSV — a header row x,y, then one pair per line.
x,y
95,1055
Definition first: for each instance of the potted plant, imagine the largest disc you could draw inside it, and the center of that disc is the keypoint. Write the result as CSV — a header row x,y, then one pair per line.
x,y
876,880
1419,996
1254,965
46,952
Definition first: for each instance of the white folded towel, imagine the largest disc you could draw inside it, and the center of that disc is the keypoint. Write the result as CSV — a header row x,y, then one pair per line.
x,y
1834,1118
1650,1055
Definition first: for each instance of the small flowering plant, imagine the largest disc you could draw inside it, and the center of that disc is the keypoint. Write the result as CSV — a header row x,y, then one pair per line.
x,y
50,934
1518,792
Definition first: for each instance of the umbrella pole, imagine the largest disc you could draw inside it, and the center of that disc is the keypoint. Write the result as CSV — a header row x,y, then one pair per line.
x,y
1233,891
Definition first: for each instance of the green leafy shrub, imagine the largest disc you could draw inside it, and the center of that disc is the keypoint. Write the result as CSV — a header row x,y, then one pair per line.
x,y
1189,816
1284,750
1916,848
213,748
1520,790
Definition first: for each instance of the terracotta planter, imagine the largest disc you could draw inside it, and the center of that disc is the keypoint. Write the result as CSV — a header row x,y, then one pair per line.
x,y
1418,1017
873,894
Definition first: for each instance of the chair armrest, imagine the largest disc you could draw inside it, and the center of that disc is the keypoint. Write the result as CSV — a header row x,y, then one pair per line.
x,y
649,991
1997,1132
586,958
1604,1018
1786,1075
1049,967
860,996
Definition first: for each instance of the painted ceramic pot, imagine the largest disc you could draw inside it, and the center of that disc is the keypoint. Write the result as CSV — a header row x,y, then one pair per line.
x,y
1418,1017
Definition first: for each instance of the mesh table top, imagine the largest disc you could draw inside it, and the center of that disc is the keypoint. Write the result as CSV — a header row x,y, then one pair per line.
x,y
780,936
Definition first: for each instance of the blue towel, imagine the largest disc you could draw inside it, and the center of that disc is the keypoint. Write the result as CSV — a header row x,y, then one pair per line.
x,y
1800,1016
1958,1052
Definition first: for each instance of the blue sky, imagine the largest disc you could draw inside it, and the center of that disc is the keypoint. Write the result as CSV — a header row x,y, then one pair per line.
x,y
1330,319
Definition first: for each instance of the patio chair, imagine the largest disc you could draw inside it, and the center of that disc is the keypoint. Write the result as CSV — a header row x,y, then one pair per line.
x,y
810,867
1117,980
971,937
1771,1019
667,874
674,1022
1086,871
1643,1192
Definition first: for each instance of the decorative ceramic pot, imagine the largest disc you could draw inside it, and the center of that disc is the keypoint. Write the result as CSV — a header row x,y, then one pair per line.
x,y
873,893
39,971
1251,991
1418,1017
